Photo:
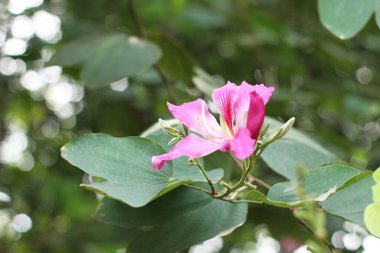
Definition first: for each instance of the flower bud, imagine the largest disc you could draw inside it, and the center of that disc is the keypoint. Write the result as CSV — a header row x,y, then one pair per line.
x,y
169,129
173,141
281,132
264,130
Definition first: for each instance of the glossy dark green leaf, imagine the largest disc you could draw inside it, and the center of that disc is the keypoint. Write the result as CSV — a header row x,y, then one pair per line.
x,y
107,58
179,219
125,164
345,18
294,149
351,202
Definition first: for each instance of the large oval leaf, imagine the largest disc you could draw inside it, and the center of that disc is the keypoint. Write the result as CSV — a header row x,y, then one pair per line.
x,y
107,58
295,149
318,184
345,18
351,202
125,164
182,218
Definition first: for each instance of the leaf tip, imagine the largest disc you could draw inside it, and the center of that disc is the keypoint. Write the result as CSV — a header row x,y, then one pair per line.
x,y
64,152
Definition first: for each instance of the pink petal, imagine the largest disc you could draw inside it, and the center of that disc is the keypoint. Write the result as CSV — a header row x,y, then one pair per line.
x,y
242,100
256,114
191,146
223,100
263,91
242,146
190,114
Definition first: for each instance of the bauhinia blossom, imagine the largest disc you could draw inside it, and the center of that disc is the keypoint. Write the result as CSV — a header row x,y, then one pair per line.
x,y
242,111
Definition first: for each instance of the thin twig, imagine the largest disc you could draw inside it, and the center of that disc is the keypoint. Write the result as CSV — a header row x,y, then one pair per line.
x,y
168,83
198,188
136,19
140,30
199,165
310,229
259,182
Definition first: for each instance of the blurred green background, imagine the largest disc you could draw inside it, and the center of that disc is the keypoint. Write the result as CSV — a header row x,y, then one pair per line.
x,y
331,86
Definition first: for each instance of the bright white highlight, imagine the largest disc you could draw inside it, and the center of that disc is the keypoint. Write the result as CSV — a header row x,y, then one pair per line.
x,y
8,66
371,244
210,246
47,26
19,6
302,249
12,148
4,197
14,47
352,241
22,223
120,85
32,80
22,27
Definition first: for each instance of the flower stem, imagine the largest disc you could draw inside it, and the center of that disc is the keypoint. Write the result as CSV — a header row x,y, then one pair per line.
x,y
241,181
198,188
200,166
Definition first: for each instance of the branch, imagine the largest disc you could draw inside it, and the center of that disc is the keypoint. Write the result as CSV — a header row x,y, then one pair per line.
x,y
140,30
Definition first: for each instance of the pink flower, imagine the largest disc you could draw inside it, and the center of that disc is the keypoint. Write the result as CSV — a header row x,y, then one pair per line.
x,y
242,113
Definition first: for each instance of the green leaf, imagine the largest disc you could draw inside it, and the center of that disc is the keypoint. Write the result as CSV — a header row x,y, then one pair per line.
x,y
376,193
377,12
345,18
372,218
176,62
319,184
107,58
181,218
376,176
78,51
205,82
125,164
351,202
295,149
258,197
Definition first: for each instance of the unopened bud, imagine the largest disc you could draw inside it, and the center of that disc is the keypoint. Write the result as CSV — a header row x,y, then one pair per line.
x,y
264,130
169,129
173,141
281,132
192,161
